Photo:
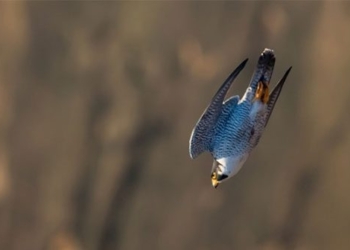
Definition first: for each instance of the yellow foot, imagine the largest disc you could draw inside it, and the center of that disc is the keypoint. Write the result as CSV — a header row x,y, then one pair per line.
x,y
262,92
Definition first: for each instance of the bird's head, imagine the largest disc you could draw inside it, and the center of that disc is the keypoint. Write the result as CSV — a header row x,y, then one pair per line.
x,y
219,174
224,168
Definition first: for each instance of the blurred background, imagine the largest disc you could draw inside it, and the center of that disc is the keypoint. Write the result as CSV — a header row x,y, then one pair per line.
x,y
97,103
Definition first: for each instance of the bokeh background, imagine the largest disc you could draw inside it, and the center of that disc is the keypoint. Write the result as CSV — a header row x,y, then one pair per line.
x,y
97,103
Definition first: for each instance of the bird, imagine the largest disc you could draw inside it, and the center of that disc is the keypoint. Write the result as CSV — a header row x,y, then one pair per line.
x,y
230,129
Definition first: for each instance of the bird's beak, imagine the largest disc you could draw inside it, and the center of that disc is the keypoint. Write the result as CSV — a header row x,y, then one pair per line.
x,y
215,183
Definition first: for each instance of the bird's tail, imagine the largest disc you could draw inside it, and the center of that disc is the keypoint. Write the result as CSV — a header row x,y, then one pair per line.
x,y
262,75
264,70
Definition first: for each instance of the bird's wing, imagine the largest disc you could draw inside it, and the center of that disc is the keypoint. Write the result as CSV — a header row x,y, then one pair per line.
x,y
227,109
274,96
203,132
230,104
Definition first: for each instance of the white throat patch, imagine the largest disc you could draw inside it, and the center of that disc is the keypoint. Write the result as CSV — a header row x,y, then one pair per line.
x,y
231,165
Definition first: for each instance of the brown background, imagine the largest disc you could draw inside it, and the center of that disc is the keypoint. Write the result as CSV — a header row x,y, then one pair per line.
x,y
97,102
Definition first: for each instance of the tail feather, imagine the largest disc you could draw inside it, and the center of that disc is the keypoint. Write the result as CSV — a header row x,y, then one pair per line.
x,y
264,69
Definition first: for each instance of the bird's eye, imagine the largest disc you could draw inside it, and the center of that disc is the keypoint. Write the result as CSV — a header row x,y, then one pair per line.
x,y
213,175
222,177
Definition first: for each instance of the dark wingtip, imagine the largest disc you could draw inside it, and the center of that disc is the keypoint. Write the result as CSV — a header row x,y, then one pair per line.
x,y
244,63
275,94
230,78
286,74
283,79
239,68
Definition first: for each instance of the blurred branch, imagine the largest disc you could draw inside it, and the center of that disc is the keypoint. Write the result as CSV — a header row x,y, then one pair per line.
x,y
99,105
139,150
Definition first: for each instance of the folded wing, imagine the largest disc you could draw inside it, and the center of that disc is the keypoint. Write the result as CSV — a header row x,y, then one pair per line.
x,y
274,95
203,132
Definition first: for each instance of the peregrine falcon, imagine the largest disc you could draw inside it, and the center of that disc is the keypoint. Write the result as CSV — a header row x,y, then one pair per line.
x,y
230,129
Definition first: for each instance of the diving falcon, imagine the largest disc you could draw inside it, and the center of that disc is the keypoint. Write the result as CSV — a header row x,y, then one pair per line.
x,y
231,129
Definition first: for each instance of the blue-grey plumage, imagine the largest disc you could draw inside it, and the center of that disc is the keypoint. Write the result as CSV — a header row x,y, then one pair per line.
x,y
230,130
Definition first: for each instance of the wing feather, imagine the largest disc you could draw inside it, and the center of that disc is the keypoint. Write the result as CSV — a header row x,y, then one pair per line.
x,y
274,95
203,131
